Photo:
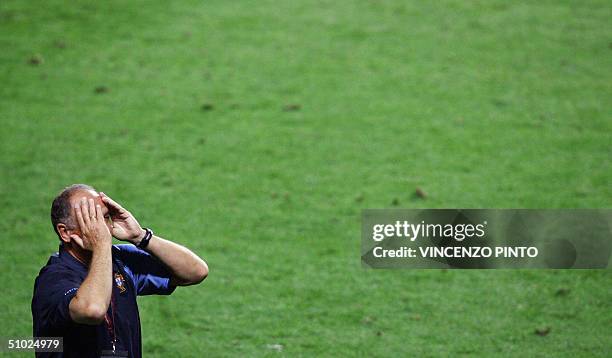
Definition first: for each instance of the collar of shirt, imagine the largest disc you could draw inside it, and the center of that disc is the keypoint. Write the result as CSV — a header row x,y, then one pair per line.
x,y
77,265
70,260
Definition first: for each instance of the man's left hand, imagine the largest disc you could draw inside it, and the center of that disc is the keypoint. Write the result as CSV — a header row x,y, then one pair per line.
x,y
125,226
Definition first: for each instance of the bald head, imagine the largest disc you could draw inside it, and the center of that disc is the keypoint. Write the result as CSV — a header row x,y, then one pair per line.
x,y
61,209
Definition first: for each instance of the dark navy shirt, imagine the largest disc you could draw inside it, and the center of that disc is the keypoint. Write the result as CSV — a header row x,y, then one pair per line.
x,y
135,273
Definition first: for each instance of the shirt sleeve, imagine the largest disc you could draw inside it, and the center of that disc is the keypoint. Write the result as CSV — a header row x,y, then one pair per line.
x,y
53,292
149,275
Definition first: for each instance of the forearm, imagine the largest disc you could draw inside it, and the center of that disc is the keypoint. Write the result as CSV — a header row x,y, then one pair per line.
x,y
186,267
91,301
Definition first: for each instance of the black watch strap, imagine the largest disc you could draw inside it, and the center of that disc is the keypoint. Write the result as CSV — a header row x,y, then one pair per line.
x,y
145,240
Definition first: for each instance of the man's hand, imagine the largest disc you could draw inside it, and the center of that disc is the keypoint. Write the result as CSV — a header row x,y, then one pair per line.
x,y
90,304
94,232
125,226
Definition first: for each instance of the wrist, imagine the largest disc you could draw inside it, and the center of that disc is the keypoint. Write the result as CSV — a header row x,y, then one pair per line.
x,y
138,239
101,248
144,241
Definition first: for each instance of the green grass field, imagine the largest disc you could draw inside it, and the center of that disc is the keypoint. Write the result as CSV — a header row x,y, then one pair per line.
x,y
255,132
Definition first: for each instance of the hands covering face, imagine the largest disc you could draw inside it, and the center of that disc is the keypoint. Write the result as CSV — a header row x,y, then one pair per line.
x,y
92,225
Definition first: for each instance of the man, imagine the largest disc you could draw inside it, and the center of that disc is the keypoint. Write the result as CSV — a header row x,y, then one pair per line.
x,y
87,292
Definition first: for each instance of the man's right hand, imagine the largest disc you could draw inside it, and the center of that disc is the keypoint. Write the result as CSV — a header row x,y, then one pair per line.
x,y
94,232
90,304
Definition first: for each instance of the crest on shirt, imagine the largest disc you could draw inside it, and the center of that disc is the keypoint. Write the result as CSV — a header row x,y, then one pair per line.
x,y
120,282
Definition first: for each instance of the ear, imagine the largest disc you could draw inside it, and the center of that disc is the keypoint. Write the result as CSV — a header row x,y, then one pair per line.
x,y
69,236
64,232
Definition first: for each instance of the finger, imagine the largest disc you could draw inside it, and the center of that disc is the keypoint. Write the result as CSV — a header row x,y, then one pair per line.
x,y
79,216
92,209
85,211
112,203
78,240
99,214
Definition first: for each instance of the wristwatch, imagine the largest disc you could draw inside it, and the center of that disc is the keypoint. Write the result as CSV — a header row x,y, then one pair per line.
x,y
145,240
